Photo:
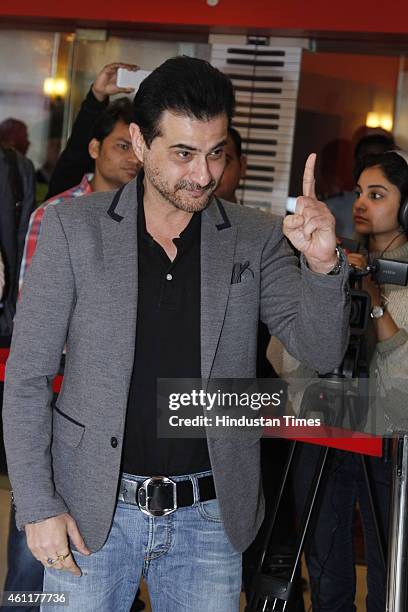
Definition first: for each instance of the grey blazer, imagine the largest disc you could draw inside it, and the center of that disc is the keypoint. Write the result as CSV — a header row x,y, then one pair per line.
x,y
81,291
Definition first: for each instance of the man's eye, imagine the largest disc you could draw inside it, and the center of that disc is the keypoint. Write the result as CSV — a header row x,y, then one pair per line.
x,y
217,153
184,154
124,146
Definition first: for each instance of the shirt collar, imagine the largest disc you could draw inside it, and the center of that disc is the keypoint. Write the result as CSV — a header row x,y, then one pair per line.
x,y
85,184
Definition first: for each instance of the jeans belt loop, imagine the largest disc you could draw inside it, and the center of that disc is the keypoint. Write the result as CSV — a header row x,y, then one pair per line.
x,y
196,492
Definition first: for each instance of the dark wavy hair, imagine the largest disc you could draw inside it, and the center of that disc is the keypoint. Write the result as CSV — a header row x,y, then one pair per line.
x,y
185,86
120,110
374,144
393,165
236,139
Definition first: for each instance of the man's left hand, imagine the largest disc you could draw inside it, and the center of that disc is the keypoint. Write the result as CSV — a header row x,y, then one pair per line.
x,y
311,229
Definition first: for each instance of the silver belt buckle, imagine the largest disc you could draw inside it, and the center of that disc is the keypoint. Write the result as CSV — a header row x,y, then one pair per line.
x,y
143,497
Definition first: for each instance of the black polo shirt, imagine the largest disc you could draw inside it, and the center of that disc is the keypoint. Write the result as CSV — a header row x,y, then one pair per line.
x,y
167,346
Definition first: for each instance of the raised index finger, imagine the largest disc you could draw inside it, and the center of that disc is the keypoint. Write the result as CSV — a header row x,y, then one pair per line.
x,y
308,177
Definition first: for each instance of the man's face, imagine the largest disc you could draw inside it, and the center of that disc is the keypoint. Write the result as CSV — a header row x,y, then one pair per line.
x,y
115,161
185,162
235,169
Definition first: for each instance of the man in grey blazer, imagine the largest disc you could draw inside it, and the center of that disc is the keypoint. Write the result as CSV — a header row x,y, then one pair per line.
x,y
139,285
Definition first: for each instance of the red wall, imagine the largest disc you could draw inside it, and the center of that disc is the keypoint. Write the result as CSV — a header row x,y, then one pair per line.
x,y
315,15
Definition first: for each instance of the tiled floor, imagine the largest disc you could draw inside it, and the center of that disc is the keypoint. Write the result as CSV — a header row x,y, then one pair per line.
x,y
4,521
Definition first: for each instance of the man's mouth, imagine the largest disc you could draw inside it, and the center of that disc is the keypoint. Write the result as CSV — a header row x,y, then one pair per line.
x,y
197,193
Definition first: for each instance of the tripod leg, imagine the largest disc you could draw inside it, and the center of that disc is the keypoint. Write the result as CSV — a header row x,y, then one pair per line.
x,y
397,582
374,513
311,503
268,534
252,600
268,591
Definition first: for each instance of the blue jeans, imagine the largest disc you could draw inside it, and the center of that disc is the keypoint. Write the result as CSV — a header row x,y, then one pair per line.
x,y
185,558
330,554
24,573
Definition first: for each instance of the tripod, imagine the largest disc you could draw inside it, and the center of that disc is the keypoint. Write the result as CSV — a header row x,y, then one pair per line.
x,y
271,590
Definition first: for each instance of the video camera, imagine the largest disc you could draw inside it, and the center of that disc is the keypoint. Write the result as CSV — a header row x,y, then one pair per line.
x,y
382,271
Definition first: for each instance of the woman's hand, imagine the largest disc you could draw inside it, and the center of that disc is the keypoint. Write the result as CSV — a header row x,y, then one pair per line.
x,y
359,261
385,327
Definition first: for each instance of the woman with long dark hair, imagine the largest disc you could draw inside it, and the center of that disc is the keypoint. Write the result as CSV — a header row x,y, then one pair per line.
x,y
380,217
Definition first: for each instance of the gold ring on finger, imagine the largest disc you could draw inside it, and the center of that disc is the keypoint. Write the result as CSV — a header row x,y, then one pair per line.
x,y
63,557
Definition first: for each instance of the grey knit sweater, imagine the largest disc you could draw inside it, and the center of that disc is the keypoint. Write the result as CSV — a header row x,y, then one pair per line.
x,y
389,364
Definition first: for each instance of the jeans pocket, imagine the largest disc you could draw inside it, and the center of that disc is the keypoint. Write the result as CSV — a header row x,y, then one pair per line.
x,y
210,510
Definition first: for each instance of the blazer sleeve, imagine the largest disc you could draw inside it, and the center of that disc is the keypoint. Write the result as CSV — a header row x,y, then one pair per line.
x,y
308,312
39,336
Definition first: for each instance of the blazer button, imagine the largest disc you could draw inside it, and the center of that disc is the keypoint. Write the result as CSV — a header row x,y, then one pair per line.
x,y
114,442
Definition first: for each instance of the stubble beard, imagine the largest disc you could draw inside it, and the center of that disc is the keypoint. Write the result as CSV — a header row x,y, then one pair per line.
x,y
175,196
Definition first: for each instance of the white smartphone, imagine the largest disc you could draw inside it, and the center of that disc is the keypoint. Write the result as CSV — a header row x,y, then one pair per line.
x,y
291,205
131,78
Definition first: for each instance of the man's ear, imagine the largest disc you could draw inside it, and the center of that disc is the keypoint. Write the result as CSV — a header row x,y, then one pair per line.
x,y
138,142
94,148
243,163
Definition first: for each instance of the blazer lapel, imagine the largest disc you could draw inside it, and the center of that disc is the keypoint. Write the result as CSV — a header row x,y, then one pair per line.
x,y
217,255
119,241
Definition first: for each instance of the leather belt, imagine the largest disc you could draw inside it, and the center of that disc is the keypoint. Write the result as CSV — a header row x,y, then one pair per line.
x,y
159,495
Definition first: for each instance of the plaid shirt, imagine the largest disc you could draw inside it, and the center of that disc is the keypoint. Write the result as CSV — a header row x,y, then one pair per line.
x,y
34,227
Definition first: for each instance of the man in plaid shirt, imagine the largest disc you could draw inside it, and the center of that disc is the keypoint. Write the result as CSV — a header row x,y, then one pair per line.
x,y
115,165
36,218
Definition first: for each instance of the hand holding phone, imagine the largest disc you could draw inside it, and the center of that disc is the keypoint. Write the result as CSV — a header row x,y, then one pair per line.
x,y
130,78
105,84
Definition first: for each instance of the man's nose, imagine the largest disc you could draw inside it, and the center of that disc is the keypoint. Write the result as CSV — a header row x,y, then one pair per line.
x,y
200,172
132,158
